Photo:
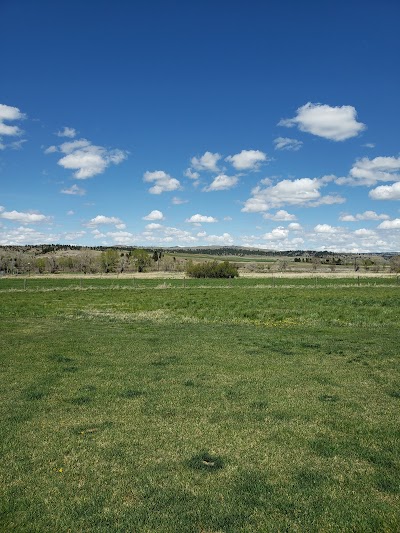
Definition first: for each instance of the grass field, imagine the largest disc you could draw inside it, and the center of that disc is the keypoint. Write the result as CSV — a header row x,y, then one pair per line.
x,y
204,408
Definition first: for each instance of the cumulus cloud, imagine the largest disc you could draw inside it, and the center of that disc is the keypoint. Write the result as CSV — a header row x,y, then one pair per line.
x,y
276,234
163,182
386,192
222,183
325,228
368,172
223,240
74,190
101,219
369,145
295,226
9,114
85,158
121,237
67,132
286,143
390,224
154,215
303,191
208,161
23,217
24,235
199,219
247,159
74,235
154,225
363,232
189,173
335,123
367,215
280,215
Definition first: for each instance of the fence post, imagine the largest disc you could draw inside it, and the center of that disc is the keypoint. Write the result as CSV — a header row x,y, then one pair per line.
x,y
184,282
24,284
80,283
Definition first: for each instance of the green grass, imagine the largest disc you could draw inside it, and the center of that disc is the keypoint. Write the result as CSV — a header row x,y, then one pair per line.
x,y
199,410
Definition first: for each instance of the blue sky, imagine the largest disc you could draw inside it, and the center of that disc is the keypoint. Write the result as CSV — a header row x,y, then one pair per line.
x,y
177,123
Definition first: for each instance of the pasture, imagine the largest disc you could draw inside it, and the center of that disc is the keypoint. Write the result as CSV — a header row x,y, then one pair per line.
x,y
200,405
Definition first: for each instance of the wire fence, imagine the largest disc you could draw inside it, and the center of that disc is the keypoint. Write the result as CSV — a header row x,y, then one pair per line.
x,y
81,283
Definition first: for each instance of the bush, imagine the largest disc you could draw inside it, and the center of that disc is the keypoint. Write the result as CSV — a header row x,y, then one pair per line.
x,y
211,269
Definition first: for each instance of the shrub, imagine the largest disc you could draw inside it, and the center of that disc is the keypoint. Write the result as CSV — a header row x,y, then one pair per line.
x,y
211,269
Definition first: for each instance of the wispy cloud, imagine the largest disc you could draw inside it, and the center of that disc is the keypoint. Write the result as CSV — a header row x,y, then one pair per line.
x,y
286,143
74,190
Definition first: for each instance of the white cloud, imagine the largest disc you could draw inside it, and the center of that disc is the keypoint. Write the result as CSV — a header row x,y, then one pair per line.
x,y
223,240
70,212
222,183
303,191
101,219
74,190
363,232
189,173
85,158
67,132
179,201
121,237
23,218
228,219
325,228
74,236
17,145
368,172
335,123
285,143
369,145
208,161
367,215
386,192
163,182
295,226
390,224
199,219
247,159
24,235
154,215
276,234
51,150
98,234
9,114
153,225
280,215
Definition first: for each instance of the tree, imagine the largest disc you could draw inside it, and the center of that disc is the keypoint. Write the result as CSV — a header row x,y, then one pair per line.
x,y
211,269
141,259
109,260
395,264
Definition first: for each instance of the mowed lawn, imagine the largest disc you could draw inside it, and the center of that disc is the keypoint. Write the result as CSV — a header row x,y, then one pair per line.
x,y
200,409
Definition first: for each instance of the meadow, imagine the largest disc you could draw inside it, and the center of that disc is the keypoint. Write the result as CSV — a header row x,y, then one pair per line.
x,y
200,405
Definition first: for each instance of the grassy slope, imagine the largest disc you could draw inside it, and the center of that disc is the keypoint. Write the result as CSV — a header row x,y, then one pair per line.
x,y
110,398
